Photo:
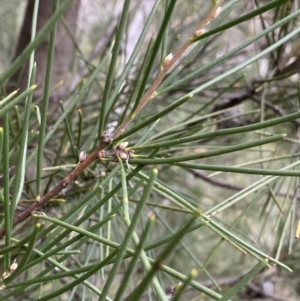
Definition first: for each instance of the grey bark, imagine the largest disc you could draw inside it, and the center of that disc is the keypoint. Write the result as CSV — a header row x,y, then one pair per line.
x,y
64,49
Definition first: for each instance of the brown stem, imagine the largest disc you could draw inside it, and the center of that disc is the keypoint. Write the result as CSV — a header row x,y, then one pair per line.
x,y
148,96
56,190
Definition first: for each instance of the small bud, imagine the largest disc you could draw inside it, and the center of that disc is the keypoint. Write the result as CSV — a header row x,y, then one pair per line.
x,y
154,94
123,155
216,13
82,156
101,154
200,32
122,145
167,60
177,286
105,138
130,153
13,267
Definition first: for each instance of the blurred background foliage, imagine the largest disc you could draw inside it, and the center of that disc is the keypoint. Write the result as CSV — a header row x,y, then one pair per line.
x,y
261,209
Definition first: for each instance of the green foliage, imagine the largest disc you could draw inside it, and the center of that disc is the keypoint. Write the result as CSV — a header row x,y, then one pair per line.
x,y
88,217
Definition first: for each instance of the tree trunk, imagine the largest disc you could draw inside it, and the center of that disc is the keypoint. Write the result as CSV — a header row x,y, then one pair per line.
x,y
64,49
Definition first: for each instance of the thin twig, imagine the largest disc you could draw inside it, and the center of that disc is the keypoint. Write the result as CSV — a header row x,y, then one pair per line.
x,y
202,175
149,94
56,190
220,183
